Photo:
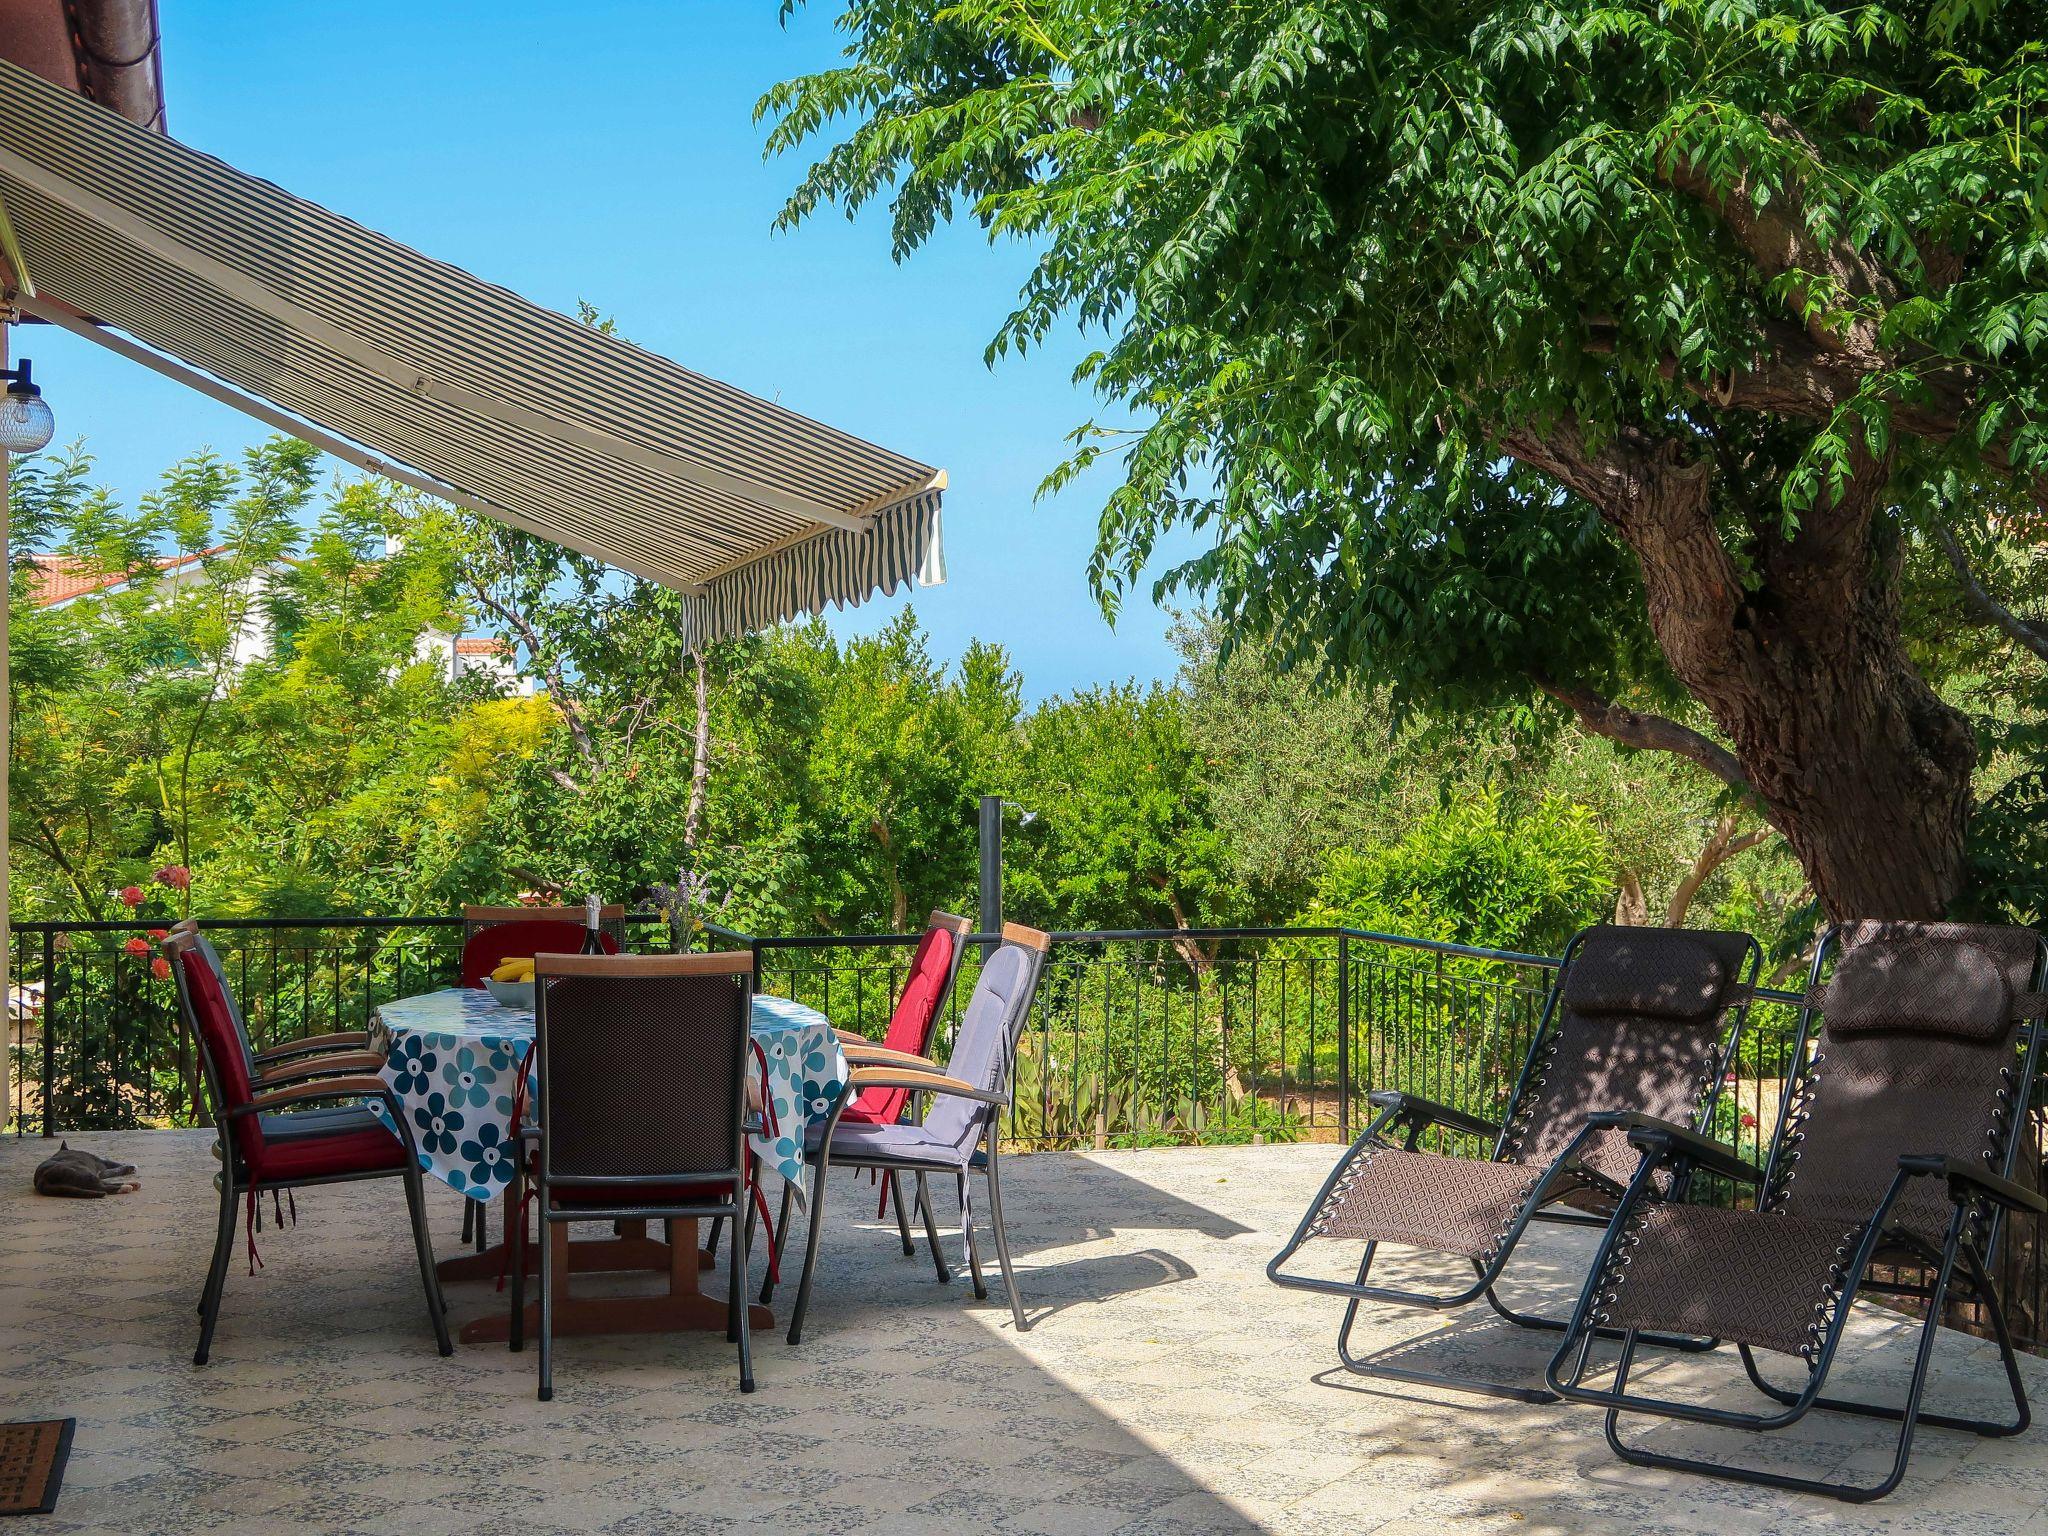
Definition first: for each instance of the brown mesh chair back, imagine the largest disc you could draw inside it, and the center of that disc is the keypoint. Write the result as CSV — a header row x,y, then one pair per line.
x,y
642,1067
1921,1051
1639,1017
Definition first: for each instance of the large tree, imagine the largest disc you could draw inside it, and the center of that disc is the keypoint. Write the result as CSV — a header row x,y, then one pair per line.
x,y
1606,352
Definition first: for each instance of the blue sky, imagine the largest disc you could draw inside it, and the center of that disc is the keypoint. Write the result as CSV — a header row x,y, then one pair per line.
x,y
606,151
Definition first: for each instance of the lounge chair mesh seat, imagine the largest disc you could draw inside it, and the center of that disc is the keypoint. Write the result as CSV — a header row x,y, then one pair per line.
x,y
1638,1026
1917,1055
1453,1204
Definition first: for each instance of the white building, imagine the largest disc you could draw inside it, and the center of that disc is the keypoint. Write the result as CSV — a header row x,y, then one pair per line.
x,y
60,580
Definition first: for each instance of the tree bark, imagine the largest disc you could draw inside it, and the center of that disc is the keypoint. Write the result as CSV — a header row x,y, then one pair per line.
x,y
1799,661
1631,906
1721,846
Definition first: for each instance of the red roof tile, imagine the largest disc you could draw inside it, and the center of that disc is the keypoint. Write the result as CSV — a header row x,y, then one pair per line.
x,y
59,578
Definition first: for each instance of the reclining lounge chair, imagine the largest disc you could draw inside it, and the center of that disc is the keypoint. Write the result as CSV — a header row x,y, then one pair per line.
x,y
1895,1145
1638,1018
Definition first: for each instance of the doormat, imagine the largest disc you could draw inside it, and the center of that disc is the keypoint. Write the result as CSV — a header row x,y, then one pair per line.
x,y
32,1458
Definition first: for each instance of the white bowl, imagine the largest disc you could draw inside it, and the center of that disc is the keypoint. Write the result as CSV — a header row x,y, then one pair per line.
x,y
511,994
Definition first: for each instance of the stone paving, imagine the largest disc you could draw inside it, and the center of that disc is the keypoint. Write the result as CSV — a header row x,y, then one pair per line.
x,y
1165,1386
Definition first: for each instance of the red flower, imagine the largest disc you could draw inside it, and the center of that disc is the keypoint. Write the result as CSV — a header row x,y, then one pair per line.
x,y
132,894
176,876
160,968
136,946
159,934
1749,1122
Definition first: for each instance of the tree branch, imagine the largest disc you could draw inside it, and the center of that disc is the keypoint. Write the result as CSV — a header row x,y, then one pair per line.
x,y
1722,846
1776,235
1989,608
1650,733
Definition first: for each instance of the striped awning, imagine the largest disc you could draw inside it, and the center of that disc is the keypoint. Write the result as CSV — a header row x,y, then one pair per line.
x,y
413,368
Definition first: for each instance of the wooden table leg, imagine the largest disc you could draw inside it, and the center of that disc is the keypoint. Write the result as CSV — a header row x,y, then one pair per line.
x,y
686,1307
632,1249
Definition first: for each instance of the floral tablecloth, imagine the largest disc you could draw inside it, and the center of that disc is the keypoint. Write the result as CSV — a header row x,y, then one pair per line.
x,y
453,1060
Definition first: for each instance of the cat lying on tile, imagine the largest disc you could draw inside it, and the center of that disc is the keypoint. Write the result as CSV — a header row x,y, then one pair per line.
x,y
83,1175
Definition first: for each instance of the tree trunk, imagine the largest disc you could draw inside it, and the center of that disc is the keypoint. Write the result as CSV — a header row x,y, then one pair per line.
x,y
700,763
1631,906
1798,658
1721,846
1862,767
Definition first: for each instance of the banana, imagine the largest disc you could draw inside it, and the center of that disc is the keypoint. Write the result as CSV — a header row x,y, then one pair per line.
x,y
520,969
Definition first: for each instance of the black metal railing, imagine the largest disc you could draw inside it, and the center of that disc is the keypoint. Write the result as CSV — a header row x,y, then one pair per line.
x,y
94,1039
1158,1036
1141,1037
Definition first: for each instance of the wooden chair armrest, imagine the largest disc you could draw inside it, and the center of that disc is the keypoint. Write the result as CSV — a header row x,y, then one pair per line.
x,y
852,1037
336,1063
347,1040
320,1088
925,1082
882,1056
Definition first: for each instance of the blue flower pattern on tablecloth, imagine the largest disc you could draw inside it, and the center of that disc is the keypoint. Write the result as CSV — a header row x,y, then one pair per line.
x,y
463,1080
454,1064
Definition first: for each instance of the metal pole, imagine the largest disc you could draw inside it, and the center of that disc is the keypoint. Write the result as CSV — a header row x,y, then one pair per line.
x,y
1344,1037
49,1022
991,918
7,978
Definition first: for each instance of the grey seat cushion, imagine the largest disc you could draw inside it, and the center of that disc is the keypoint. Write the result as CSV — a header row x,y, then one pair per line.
x,y
857,1142
331,1120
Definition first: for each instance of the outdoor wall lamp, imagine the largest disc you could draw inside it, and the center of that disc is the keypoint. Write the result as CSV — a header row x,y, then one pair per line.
x,y
26,422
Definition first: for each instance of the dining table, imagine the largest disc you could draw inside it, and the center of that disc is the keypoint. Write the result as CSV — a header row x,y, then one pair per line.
x,y
455,1058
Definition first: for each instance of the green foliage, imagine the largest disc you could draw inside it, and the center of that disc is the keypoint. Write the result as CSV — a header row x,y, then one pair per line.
x,y
1124,836
1384,290
1474,874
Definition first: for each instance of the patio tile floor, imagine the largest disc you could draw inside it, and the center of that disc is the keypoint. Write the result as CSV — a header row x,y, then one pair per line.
x,y
1166,1387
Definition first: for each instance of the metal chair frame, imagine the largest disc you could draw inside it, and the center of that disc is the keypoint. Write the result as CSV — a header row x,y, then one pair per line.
x,y
985,1159
1564,1174
740,967
235,1178
1980,1198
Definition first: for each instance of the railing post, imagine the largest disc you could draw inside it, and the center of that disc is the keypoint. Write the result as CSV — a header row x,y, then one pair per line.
x,y
49,1026
990,917
1344,1036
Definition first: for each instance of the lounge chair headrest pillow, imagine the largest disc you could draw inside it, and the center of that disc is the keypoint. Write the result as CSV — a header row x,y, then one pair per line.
x,y
1957,988
1645,973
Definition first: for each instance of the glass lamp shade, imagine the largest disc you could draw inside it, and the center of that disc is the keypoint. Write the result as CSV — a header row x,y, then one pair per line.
x,y
26,423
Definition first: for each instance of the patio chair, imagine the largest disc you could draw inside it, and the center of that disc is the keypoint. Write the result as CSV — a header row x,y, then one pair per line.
x,y
492,934
340,1051
643,1065
927,983
255,1159
1637,1018
1896,1141
960,1132
345,1052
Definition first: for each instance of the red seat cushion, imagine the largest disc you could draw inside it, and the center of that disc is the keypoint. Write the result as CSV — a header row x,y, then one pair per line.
x,y
609,1196
482,951
319,1157
910,1026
